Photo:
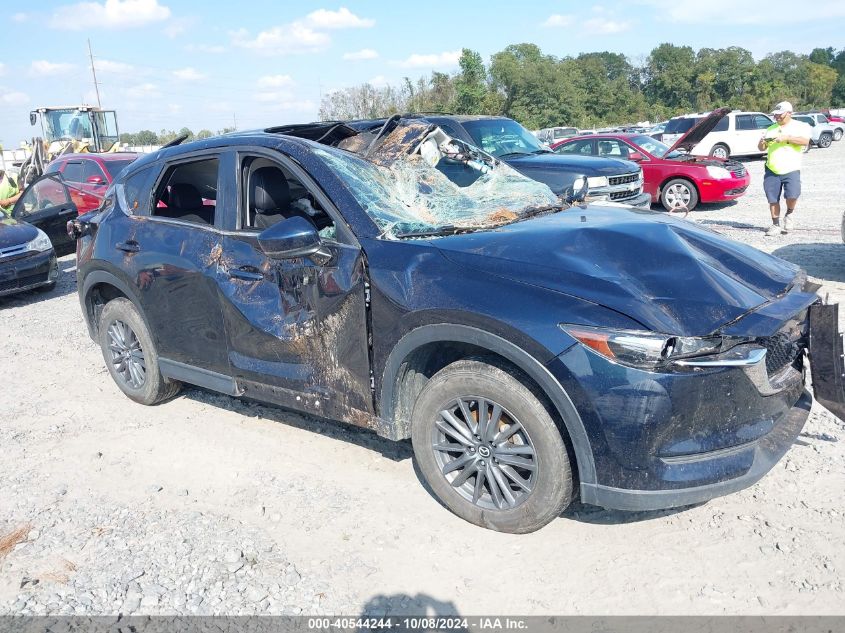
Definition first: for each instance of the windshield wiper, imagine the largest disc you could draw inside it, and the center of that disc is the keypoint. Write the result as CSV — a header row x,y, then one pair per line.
x,y
513,154
542,150
446,229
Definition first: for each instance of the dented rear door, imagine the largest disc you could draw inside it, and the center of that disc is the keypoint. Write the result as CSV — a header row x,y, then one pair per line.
x,y
297,329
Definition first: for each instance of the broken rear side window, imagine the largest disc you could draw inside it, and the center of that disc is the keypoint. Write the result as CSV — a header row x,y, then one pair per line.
x,y
188,192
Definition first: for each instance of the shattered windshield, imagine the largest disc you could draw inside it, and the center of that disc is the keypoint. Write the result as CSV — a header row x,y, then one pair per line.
x,y
408,195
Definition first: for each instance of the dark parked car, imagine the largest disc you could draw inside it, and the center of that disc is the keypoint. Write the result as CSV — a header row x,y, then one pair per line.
x,y
88,176
27,258
612,178
47,204
530,349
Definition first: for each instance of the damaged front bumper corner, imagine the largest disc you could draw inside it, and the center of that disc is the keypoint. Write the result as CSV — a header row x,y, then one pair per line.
x,y
827,361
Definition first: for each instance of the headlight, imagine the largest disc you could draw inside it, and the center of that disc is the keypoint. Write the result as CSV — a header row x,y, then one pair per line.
x,y
718,173
647,350
40,243
597,181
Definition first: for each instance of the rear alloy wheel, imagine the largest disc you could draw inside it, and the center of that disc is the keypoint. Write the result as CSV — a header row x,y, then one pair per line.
x,y
488,448
825,139
130,355
837,134
720,150
679,194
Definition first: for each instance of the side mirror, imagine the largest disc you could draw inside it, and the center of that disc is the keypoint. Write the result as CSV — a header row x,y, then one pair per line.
x,y
578,191
32,118
294,237
636,157
95,180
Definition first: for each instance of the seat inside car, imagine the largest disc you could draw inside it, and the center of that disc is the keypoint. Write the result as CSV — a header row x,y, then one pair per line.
x,y
269,198
185,202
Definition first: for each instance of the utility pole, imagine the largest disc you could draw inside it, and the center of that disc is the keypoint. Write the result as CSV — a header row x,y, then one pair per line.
x,y
94,72
235,121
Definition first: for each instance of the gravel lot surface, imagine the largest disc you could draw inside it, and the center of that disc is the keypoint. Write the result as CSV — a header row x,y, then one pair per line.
x,y
210,505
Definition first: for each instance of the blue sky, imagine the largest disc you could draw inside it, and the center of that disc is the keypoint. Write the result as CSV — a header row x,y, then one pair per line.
x,y
174,63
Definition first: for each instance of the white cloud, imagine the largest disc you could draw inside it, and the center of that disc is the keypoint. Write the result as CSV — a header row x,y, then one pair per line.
x,y
602,26
205,48
43,68
143,91
189,74
343,18
558,20
2,69
364,53
379,82
20,17
287,39
111,67
109,14
448,59
12,97
275,81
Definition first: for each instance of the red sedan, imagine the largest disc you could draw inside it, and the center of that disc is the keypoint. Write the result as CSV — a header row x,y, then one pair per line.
x,y
673,178
89,175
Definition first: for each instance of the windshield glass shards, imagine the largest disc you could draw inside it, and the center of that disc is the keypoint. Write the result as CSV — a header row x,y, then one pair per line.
x,y
403,185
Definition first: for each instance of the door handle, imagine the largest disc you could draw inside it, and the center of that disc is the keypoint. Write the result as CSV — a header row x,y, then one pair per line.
x,y
247,273
130,246
66,210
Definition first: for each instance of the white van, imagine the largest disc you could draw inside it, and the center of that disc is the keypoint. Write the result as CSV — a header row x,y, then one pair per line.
x,y
737,134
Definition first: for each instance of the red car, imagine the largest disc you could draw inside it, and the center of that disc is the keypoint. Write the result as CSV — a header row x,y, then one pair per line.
x,y
89,175
672,177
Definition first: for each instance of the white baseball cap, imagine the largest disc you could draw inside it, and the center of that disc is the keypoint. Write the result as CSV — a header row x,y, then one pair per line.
x,y
782,108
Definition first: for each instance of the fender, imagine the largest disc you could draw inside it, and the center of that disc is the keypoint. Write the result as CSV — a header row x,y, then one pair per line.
x,y
516,355
103,276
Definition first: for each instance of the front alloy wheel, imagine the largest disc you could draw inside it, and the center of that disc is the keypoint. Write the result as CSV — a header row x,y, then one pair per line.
x,y
127,357
484,453
488,447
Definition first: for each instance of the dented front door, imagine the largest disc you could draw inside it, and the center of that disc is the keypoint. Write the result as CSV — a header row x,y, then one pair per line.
x,y
297,329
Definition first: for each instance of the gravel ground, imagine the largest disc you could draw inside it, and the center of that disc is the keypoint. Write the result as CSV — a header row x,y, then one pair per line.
x,y
210,505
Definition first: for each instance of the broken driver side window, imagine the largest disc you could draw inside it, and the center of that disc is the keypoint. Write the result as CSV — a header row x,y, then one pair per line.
x,y
188,192
271,194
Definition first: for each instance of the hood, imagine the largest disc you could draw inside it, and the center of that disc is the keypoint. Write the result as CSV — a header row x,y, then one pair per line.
x,y
670,275
14,233
701,129
559,171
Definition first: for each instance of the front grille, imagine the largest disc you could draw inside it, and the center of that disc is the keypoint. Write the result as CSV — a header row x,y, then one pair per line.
x,y
622,180
623,195
22,282
780,351
736,168
735,192
12,251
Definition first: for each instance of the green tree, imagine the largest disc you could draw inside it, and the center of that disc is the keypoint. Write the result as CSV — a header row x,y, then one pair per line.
x,y
470,84
204,134
823,56
670,76
146,137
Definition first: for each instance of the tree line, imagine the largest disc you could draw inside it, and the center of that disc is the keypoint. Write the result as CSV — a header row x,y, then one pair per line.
x,y
148,137
597,89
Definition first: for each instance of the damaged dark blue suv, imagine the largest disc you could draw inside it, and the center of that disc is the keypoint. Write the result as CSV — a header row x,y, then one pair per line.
x,y
531,348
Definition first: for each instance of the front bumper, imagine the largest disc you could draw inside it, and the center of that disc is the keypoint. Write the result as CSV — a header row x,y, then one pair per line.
x,y
711,190
29,271
640,201
757,458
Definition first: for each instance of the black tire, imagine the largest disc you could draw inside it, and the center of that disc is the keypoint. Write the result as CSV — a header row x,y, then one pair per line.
x,y
531,438
720,150
825,139
121,320
837,134
678,193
